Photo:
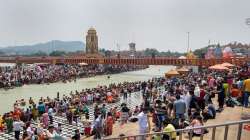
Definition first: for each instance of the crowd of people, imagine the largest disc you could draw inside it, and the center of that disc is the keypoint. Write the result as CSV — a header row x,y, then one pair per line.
x,y
75,108
188,101
11,77
185,102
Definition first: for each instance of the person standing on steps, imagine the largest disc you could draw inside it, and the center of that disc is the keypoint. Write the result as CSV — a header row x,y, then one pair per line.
x,y
125,93
17,127
246,90
144,124
50,113
179,108
98,127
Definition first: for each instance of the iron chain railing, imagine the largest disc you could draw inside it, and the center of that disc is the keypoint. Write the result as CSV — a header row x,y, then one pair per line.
x,y
190,130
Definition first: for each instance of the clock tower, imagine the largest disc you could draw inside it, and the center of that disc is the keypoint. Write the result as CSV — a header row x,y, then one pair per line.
x,y
91,42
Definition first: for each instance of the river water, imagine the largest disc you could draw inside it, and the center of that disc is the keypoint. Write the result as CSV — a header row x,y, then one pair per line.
x,y
8,97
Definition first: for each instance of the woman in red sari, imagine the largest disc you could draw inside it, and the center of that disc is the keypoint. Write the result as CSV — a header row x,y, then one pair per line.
x,y
109,124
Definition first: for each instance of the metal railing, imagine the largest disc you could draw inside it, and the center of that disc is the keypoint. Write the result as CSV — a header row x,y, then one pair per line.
x,y
190,131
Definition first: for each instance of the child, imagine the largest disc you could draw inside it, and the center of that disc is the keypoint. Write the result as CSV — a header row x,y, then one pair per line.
x,y
59,129
77,135
117,115
136,111
87,129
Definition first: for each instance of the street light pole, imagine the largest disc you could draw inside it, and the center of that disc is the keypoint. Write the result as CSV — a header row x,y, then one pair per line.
x,y
188,42
119,50
248,24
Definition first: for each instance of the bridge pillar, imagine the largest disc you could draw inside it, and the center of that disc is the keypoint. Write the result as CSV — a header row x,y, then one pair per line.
x,y
18,64
53,61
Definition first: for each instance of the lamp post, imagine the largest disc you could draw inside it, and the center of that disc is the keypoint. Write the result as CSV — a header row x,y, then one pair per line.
x,y
248,24
188,41
119,50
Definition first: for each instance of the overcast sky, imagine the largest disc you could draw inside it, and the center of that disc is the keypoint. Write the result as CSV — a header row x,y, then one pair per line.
x,y
160,24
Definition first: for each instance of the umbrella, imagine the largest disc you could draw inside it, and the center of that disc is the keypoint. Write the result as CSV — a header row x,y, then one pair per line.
x,y
218,67
83,64
183,70
172,73
227,65
182,57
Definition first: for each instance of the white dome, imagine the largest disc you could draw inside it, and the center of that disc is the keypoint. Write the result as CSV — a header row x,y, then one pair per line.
x,y
182,57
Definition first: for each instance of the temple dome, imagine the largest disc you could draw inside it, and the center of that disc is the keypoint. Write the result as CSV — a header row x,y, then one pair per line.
x,y
191,55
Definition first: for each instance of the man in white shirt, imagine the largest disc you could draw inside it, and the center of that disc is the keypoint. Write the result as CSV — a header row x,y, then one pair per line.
x,y
187,99
17,127
143,121
98,127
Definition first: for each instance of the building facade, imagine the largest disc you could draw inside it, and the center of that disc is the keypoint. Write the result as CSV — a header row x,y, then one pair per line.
x,y
132,48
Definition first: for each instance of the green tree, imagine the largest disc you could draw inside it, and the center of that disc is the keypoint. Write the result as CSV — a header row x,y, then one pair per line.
x,y
2,53
201,52
151,51
107,53
39,53
57,53
102,50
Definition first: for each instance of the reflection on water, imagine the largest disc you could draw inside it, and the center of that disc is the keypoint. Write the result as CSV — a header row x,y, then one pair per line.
x,y
7,98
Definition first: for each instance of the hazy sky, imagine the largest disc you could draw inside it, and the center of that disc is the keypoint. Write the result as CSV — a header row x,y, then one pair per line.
x,y
161,24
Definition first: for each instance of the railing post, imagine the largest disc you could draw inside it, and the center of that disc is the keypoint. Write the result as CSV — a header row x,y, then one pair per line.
x,y
180,135
226,132
213,133
190,131
201,137
150,137
239,131
190,134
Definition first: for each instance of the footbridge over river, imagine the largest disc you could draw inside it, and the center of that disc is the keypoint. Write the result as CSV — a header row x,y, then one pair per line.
x,y
121,61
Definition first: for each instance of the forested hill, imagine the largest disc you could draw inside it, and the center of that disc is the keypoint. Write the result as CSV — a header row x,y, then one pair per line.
x,y
47,47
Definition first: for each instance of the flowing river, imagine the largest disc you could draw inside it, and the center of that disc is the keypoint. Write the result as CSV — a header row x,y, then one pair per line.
x,y
8,97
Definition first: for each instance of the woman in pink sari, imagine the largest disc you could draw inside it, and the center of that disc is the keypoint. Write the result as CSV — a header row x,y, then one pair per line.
x,y
45,120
